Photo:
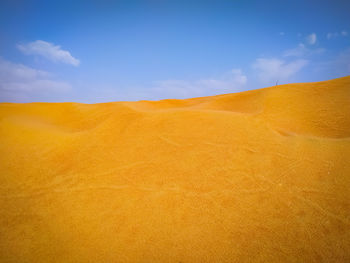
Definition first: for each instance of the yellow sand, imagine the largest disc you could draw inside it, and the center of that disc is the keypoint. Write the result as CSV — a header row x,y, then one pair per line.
x,y
257,176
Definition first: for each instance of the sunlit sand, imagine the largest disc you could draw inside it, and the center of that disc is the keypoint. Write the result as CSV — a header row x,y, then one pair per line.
x,y
257,176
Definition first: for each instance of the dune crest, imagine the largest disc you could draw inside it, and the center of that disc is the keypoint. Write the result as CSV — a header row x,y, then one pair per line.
x,y
257,176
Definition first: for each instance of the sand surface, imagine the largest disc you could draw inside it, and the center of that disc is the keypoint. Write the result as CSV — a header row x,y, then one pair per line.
x,y
257,176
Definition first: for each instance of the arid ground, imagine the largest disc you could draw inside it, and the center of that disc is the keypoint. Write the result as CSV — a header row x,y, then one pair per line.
x,y
257,176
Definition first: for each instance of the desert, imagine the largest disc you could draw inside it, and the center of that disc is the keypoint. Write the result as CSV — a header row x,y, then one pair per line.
x,y
254,176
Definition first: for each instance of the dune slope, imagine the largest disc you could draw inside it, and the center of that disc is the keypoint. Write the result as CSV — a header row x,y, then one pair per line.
x,y
257,176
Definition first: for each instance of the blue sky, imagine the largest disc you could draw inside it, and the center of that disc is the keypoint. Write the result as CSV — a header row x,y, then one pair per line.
x,y
99,51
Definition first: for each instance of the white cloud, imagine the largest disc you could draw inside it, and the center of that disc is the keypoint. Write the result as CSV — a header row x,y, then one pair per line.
x,y
18,81
343,33
330,35
49,51
342,62
311,39
301,50
231,81
336,66
276,69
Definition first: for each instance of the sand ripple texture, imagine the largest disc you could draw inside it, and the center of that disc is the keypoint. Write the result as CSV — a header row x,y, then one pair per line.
x,y
257,176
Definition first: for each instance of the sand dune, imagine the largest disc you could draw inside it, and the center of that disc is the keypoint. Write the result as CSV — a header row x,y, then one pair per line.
x,y
257,176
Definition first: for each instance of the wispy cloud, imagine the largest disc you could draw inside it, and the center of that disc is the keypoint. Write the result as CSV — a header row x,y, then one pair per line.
x,y
343,33
338,65
311,39
330,35
342,62
48,51
275,69
301,51
231,81
18,81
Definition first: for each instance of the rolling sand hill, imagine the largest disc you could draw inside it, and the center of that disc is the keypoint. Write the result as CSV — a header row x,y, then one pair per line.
x,y
257,176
